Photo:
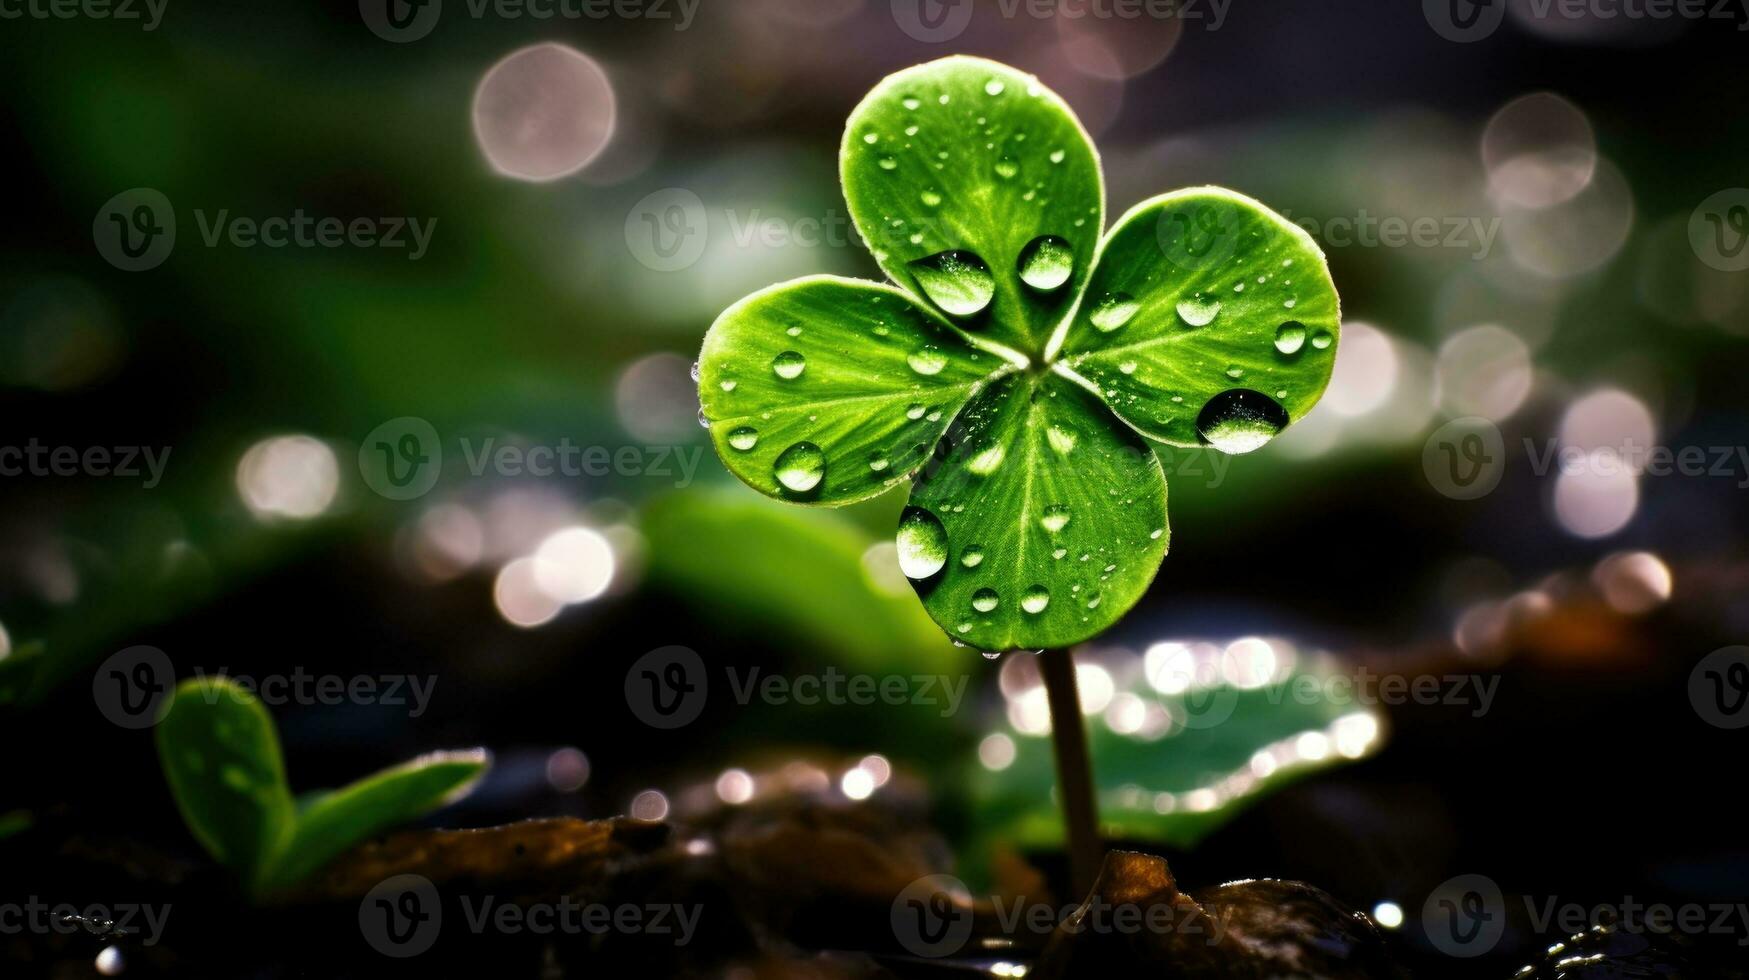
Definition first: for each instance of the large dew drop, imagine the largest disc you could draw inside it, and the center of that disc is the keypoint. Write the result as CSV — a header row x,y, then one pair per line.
x,y
922,543
1036,599
958,281
927,360
1061,440
986,600
1290,337
1199,312
744,438
1046,263
1240,420
1055,518
801,467
789,365
1113,311
987,461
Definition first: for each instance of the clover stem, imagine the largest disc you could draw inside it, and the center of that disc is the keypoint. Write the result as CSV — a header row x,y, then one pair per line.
x,y
1074,769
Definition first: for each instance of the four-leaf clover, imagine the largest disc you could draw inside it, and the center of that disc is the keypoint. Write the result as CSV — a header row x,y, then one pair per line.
x,y
1020,370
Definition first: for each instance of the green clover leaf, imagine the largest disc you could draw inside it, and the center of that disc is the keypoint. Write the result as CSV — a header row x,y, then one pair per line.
x,y
1020,370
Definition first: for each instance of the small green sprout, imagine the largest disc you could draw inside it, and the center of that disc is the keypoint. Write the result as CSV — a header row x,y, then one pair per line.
x,y
1020,368
220,754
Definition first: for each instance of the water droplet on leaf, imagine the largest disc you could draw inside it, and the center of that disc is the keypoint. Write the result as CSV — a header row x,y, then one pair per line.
x,y
957,281
801,467
1046,263
1240,420
986,600
922,543
927,360
1055,518
986,462
1290,337
789,365
744,438
1113,311
1199,312
1036,599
